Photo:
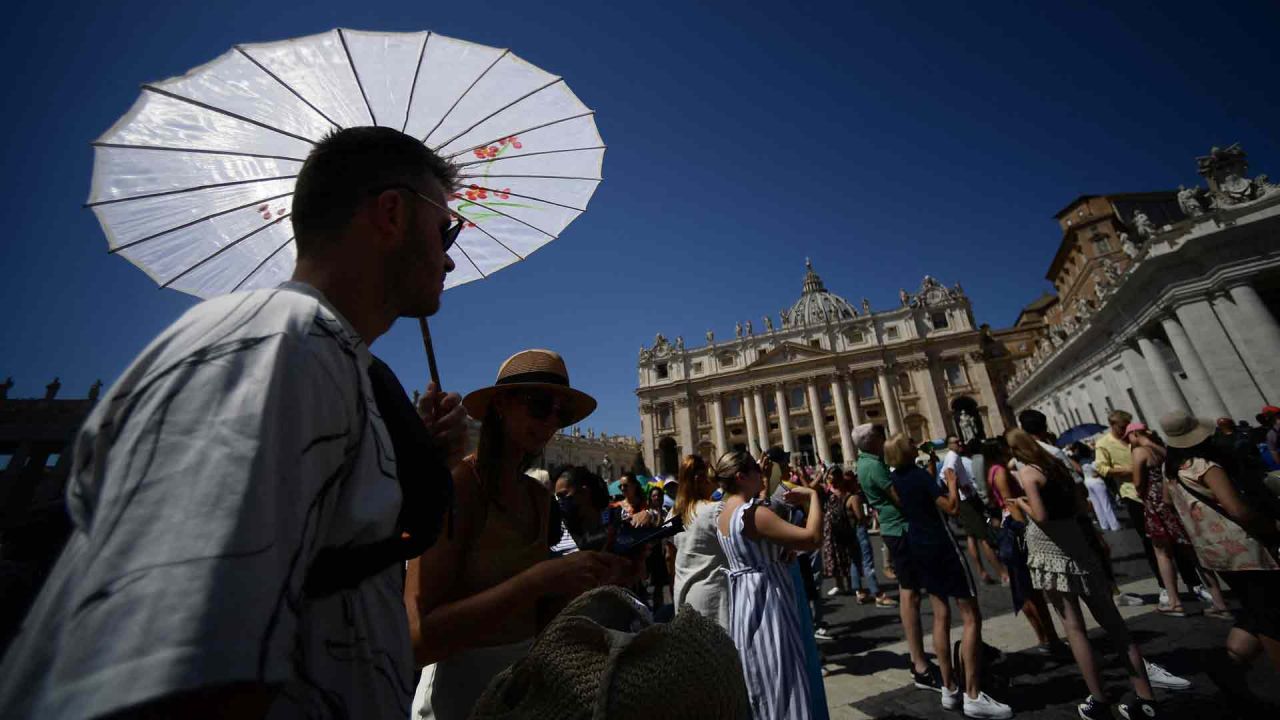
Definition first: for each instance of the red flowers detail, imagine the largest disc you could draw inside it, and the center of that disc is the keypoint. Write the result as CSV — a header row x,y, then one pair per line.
x,y
486,152
513,141
491,151
475,192
503,194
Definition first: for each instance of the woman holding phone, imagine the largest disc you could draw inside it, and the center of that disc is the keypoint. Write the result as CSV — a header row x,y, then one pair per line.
x,y
763,616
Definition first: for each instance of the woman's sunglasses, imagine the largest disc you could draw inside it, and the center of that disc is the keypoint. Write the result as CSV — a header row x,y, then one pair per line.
x,y
541,405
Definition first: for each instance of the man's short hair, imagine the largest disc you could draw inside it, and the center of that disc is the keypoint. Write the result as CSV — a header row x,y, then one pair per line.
x,y
1119,417
1033,421
863,434
349,166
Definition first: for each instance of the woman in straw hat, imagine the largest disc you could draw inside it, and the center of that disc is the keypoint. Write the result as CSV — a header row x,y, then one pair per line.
x,y
1229,537
764,616
475,598
1066,561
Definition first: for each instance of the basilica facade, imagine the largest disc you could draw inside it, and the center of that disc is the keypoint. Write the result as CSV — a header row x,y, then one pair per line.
x,y
803,383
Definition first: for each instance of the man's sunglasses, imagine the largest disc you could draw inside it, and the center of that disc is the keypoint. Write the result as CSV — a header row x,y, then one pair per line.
x,y
450,234
541,405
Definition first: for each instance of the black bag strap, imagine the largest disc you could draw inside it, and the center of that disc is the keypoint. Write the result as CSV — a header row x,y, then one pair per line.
x,y
426,490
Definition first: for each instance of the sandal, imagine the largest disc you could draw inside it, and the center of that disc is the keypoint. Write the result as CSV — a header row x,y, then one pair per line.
x,y
862,598
1219,613
1172,611
885,601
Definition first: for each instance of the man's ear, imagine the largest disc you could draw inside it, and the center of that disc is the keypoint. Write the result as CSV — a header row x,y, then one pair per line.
x,y
390,215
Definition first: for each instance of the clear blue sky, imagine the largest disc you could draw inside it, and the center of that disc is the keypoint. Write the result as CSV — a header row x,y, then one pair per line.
x,y
883,142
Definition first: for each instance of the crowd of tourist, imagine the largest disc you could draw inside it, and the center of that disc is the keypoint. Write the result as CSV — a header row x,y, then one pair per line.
x,y
266,525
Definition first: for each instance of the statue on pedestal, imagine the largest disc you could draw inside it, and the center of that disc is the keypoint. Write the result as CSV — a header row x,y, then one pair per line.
x,y
749,331
968,427
680,343
768,323
711,338
1189,201
866,306
1130,247
737,330
903,297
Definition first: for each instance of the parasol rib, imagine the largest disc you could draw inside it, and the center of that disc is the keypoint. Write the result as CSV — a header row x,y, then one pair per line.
x,y
210,186
413,89
520,99
520,132
529,197
228,113
468,257
464,94
233,153
265,260
373,120
511,217
197,221
223,249
525,155
490,236
286,86
537,177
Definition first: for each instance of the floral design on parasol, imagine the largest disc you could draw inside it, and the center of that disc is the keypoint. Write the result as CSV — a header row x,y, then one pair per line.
x,y
193,185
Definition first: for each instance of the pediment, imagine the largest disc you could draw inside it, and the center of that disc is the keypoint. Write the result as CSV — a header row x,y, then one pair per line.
x,y
788,353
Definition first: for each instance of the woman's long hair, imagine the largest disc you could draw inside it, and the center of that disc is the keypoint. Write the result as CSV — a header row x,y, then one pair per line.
x,y
1027,450
694,485
489,451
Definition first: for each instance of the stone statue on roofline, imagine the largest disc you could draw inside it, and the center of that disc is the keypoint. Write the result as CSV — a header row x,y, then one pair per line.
x,y
680,343
659,341
1189,201
903,297
1225,171
768,323
866,306
1130,247
749,330
784,317
711,338
737,330
1142,225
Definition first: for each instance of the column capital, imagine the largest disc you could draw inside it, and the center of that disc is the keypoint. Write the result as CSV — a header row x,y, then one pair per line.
x,y
682,401
976,356
916,364
648,408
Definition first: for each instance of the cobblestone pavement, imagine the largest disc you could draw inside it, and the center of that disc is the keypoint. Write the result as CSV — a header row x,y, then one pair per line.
x,y
866,664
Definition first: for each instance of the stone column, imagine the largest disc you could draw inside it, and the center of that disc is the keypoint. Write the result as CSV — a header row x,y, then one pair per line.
x,y
1222,360
749,415
855,406
1144,389
784,417
819,418
1209,402
647,438
976,366
926,387
762,421
842,418
889,400
688,430
1259,342
1163,379
718,435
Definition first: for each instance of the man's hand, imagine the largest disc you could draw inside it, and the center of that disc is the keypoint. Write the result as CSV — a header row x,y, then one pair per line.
x,y
446,421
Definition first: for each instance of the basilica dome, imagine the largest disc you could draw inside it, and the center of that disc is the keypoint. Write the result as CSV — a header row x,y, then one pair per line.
x,y
816,305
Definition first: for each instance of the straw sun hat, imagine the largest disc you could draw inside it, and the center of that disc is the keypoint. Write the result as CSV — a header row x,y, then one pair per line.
x,y
540,370
1183,430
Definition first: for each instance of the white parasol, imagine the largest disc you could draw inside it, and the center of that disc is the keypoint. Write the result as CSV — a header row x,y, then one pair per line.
x,y
193,185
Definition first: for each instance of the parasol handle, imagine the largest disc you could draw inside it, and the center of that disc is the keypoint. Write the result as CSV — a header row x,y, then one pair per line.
x,y
431,353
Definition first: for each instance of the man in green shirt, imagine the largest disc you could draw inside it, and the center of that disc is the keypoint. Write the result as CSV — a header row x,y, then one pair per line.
x,y
877,486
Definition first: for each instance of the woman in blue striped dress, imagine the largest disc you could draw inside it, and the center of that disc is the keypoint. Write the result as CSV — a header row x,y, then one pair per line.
x,y
763,616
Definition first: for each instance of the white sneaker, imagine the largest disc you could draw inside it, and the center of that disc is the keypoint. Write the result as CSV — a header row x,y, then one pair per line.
x,y
985,706
1129,600
1162,678
1205,596
823,634
951,699
833,591
1164,598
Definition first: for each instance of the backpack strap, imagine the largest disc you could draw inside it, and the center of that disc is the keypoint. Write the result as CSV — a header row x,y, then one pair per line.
x,y
426,491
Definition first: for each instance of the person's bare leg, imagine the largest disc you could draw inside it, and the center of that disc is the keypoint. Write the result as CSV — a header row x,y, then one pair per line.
x,y
971,645
971,545
1037,613
1068,607
1105,612
1212,582
1243,647
1169,575
942,639
1272,646
994,561
909,612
